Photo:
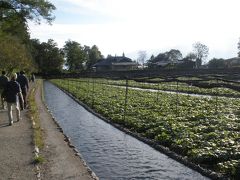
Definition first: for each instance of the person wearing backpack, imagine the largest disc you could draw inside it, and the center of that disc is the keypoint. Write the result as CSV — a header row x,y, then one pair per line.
x,y
23,81
13,92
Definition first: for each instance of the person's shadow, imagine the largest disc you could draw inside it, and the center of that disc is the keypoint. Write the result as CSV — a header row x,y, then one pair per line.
x,y
2,125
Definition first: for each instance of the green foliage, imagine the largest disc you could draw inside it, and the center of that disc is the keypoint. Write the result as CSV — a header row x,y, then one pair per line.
x,y
94,56
142,57
169,56
48,57
38,160
216,63
27,10
75,55
16,49
15,26
34,115
182,87
186,124
14,54
201,51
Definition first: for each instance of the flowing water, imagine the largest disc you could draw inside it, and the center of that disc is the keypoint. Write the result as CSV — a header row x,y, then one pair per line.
x,y
109,152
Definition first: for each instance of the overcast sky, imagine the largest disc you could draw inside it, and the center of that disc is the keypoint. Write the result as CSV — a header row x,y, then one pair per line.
x,y
154,26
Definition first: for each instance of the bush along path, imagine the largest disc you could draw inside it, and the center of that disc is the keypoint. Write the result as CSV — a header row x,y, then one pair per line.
x,y
59,159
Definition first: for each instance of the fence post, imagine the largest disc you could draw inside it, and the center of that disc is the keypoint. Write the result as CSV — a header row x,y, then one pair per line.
x,y
158,92
88,88
75,85
93,84
216,103
68,84
177,100
126,100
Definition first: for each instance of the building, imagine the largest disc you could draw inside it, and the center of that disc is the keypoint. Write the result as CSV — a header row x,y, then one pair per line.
x,y
233,62
166,64
115,63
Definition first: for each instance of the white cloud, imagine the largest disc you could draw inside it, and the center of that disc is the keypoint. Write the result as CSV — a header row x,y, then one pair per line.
x,y
151,24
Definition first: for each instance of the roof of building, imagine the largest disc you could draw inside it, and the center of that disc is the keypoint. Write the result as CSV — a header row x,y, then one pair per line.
x,y
164,63
235,60
110,60
125,64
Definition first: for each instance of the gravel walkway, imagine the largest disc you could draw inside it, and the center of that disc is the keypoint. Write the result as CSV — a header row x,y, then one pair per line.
x,y
16,148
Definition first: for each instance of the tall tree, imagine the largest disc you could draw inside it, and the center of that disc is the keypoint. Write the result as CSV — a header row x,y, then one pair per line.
x,y
151,58
86,50
188,61
174,55
216,63
170,57
239,48
190,56
14,29
201,51
94,55
75,55
142,57
49,57
14,55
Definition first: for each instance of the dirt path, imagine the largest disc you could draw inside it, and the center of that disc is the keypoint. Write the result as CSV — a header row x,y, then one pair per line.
x,y
16,148
61,160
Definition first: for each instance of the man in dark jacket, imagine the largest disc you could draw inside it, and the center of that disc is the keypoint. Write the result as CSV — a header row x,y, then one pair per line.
x,y
13,92
23,81
3,83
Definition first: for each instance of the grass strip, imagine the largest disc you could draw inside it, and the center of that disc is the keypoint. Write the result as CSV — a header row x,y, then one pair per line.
x,y
34,116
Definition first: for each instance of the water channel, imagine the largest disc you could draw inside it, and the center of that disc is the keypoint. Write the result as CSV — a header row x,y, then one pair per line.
x,y
109,152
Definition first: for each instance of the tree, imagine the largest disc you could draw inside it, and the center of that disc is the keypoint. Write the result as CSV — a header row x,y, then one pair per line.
x,y
216,63
188,61
174,55
27,10
49,58
109,56
168,57
201,51
35,50
152,57
239,48
94,56
190,56
142,57
75,55
16,47
14,55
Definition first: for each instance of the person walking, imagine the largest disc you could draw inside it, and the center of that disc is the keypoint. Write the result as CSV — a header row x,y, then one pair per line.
x,y
13,92
32,77
3,82
23,81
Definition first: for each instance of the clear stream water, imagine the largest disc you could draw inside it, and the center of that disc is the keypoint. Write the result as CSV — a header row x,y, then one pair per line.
x,y
109,152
